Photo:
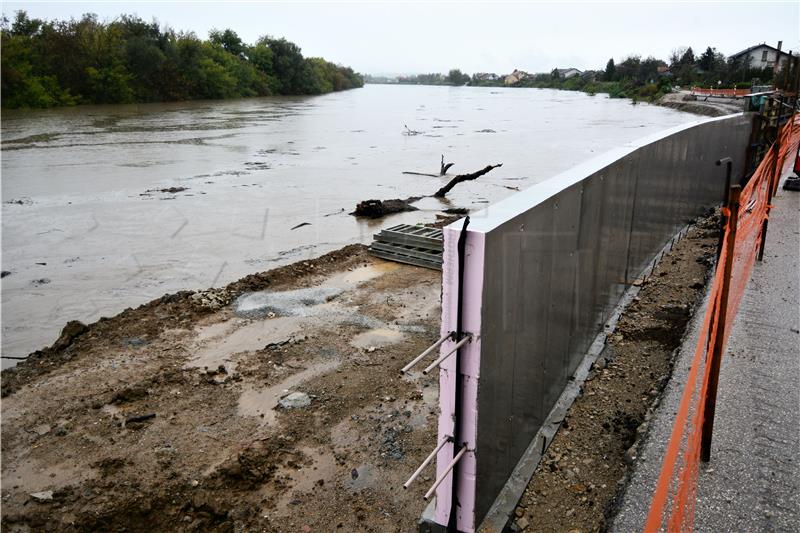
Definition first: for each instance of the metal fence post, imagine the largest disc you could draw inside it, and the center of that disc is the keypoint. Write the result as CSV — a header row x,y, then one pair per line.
x,y
710,404
774,179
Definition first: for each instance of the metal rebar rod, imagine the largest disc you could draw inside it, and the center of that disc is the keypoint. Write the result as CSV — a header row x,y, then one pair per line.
x,y
448,354
426,462
418,358
447,470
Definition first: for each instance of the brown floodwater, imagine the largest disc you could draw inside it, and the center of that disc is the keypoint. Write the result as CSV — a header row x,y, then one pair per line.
x,y
87,230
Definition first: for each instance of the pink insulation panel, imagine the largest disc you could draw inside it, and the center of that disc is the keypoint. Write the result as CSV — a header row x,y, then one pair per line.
x,y
470,368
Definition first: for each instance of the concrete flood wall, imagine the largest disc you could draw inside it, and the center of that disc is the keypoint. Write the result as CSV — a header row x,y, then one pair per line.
x,y
543,271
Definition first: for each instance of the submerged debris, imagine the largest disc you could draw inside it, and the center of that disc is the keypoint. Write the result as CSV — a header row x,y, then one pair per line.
x,y
381,208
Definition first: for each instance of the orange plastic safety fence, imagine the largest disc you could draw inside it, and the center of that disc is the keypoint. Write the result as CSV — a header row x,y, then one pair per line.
x,y
673,504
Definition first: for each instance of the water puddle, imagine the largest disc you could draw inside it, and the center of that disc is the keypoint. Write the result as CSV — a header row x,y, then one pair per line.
x,y
221,342
31,476
353,278
262,402
302,302
322,469
361,478
376,338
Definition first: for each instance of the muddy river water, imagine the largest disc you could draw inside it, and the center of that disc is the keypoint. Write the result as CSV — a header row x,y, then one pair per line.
x,y
108,207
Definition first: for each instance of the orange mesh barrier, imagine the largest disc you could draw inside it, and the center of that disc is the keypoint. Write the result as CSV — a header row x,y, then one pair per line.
x,y
721,92
673,504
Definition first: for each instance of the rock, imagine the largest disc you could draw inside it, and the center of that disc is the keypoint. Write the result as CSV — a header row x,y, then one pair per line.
x,y
631,454
44,496
295,400
42,429
139,418
73,329
134,342
522,523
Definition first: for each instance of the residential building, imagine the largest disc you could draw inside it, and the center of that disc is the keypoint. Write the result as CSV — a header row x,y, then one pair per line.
x,y
760,56
568,72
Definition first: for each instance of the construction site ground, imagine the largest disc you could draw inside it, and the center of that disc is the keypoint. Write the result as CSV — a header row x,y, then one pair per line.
x,y
276,404
167,417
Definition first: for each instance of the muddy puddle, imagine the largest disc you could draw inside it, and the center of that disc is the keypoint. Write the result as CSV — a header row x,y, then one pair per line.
x,y
377,337
263,402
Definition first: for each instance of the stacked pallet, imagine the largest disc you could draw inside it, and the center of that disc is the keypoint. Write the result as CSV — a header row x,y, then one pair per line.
x,y
415,245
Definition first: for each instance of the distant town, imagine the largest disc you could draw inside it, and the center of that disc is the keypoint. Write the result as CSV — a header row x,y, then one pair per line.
x,y
633,77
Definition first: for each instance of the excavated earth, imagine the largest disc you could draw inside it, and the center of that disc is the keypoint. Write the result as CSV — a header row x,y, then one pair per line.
x,y
168,417
581,478
276,404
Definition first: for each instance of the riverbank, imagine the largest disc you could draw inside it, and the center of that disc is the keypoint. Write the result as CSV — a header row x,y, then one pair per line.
x,y
702,105
651,94
175,415
52,63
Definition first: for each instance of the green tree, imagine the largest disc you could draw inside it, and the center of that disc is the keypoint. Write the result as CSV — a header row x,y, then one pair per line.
x,y
129,60
688,57
611,70
228,40
706,61
456,77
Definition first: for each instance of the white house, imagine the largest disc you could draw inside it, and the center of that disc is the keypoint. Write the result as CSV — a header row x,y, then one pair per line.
x,y
568,72
760,56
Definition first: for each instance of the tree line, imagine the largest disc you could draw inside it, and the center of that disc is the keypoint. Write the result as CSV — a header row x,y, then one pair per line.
x,y
128,60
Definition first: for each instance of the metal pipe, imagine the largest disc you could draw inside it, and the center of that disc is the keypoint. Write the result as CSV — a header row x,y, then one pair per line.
x,y
418,358
447,470
448,354
426,462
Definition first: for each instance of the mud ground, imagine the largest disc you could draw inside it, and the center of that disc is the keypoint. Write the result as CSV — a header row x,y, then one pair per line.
x,y
167,417
581,478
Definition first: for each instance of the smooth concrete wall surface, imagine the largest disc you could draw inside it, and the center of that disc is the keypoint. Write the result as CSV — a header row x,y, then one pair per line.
x,y
553,261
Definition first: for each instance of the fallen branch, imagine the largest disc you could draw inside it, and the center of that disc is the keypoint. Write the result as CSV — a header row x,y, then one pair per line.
x,y
443,168
464,177
420,174
378,208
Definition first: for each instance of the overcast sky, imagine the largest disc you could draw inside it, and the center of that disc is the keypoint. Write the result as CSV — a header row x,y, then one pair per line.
x,y
409,37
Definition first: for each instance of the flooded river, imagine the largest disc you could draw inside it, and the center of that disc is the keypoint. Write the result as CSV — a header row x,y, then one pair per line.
x,y
108,207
